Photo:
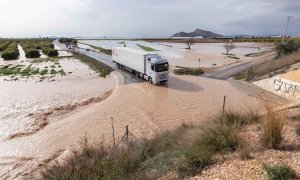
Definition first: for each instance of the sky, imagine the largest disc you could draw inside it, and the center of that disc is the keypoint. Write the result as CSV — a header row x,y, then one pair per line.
x,y
145,18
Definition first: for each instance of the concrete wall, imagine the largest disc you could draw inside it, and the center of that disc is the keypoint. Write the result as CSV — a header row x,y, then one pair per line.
x,y
280,86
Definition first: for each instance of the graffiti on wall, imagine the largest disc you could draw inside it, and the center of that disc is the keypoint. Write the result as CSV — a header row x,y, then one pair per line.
x,y
285,87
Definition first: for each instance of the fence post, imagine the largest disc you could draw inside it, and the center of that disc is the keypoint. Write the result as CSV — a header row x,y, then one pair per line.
x,y
113,130
224,102
127,133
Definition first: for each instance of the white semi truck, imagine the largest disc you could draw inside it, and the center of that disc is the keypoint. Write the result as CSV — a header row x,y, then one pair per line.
x,y
151,67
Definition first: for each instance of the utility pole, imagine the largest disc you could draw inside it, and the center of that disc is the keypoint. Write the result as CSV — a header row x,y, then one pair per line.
x,y
288,18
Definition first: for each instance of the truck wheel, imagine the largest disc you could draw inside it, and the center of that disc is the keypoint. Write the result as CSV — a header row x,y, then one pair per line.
x,y
150,80
137,74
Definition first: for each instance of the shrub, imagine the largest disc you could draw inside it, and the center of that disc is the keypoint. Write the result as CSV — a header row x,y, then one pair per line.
x,y
238,118
194,160
188,71
11,52
4,45
280,172
30,51
50,52
288,47
272,127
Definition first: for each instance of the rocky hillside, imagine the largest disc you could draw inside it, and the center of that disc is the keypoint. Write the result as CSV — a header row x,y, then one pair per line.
x,y
197,32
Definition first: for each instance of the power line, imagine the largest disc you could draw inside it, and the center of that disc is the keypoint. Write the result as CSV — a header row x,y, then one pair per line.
x,y
288,18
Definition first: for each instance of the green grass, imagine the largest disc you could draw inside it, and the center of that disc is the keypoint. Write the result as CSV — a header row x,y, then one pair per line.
x,y
188,71
233,57
240,75
103,50
280,172
94,64
27,71
146,48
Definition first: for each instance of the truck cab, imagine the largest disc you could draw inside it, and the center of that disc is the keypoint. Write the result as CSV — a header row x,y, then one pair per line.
x,y
157,69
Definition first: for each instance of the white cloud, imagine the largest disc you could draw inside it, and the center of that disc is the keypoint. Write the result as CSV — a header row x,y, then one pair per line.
x,y
21,18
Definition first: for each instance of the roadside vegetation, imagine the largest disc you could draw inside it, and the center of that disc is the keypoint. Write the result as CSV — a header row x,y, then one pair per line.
x,y
188,71
146,48
280,172
270,68
103,50
94,64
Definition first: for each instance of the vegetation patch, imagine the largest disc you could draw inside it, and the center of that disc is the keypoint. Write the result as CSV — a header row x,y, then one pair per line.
x,y
11,52
272,66
272,127
4,45
188,71
233,57
146,48
94,64
30,50
103,50
287,47
256,54
280,172
27,71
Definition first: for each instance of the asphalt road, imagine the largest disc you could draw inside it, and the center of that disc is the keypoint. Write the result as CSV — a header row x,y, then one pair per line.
x,y
230,70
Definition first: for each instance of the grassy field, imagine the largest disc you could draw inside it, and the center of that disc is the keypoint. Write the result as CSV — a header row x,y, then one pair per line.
x,y
146,48
103,50
187,71
94,64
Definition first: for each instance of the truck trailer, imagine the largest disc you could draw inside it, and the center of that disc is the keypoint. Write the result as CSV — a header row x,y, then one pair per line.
x,y
151,67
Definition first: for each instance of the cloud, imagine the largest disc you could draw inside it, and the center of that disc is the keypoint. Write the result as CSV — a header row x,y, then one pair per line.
x,y
151,18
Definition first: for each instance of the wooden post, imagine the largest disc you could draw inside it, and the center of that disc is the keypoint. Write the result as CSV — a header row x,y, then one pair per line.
x,y
113,130
224,102
127,133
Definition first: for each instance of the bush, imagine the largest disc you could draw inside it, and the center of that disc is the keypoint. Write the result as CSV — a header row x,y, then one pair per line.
x,y
50,52
4,45
288,47
272,127
188,71
280,172
30,51
11,52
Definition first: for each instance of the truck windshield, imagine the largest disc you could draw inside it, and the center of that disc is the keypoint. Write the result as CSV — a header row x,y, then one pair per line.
x,y
161,67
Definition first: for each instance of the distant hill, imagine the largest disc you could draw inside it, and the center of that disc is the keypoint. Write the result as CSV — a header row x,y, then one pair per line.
x,y
197,32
